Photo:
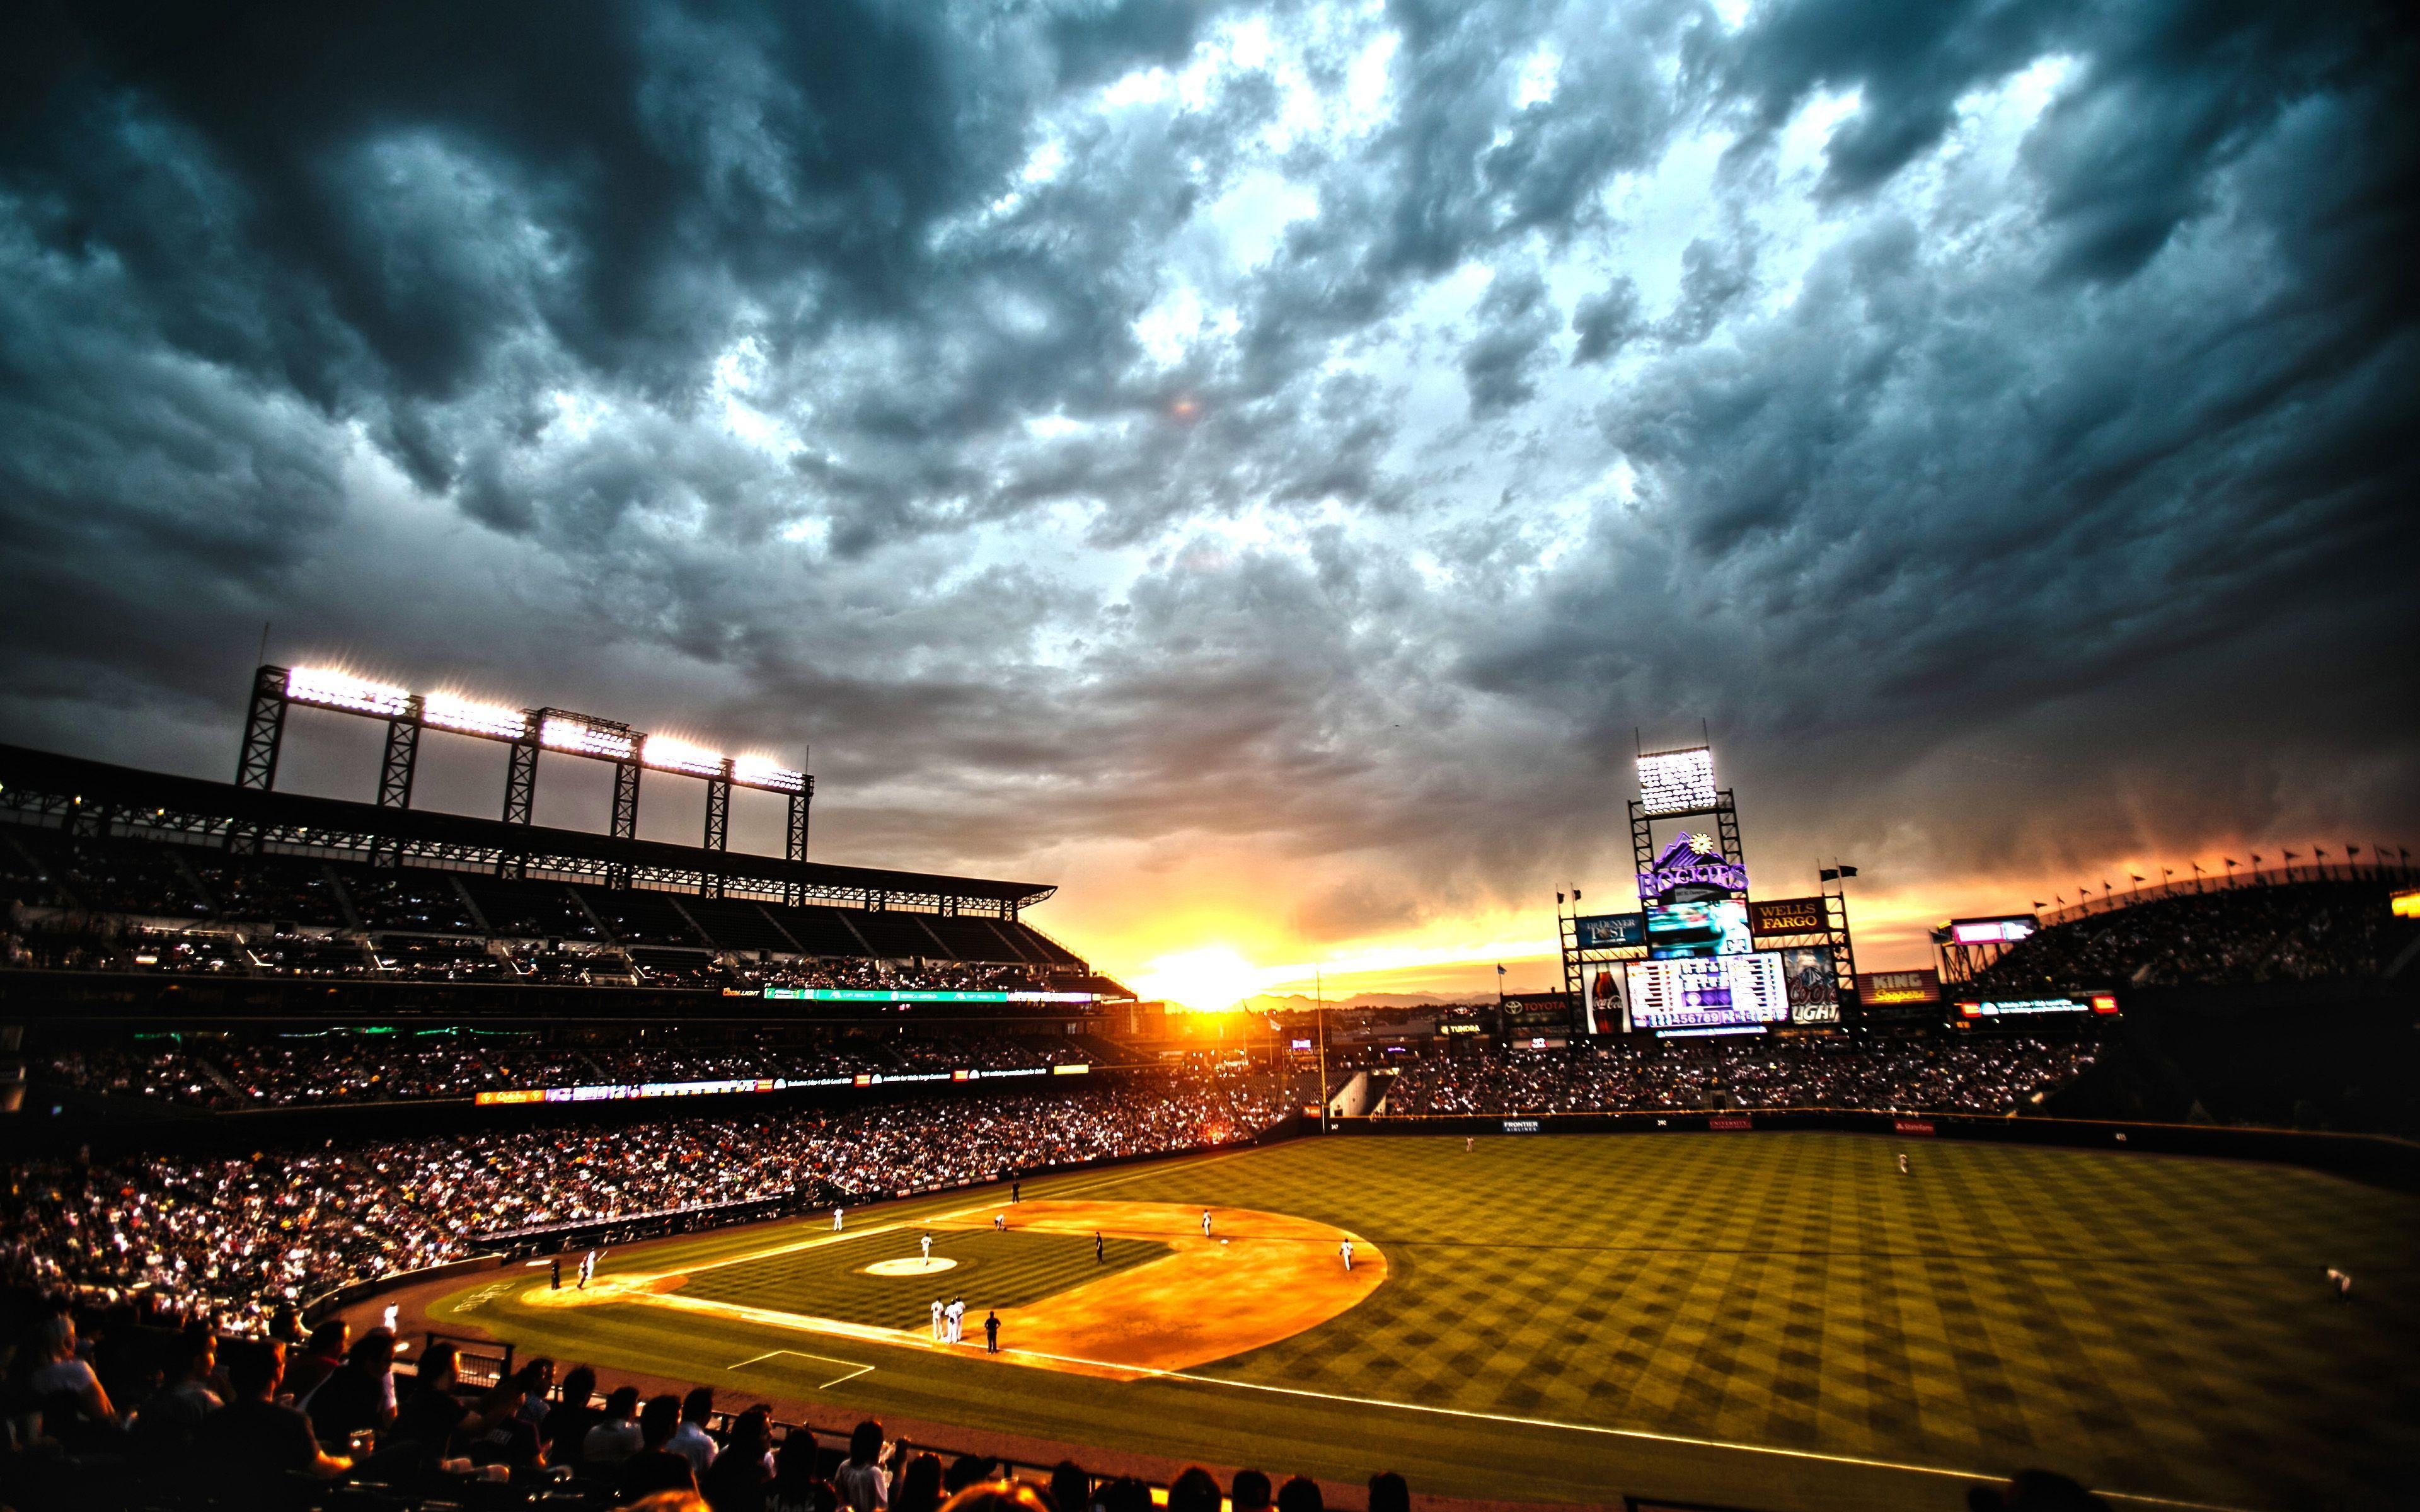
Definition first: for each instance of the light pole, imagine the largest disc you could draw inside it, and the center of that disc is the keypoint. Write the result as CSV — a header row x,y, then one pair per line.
x,y
1319,1013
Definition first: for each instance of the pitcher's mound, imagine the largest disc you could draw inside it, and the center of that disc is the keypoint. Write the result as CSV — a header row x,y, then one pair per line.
x,y
910,1266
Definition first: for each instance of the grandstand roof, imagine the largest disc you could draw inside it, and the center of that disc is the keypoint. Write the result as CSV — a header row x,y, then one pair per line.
x,y
161,804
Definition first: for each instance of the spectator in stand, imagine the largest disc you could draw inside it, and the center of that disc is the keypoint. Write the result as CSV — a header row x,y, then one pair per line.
x,y
656,1467
860,1481
691,1441
360,1393
1071,1490
169,1425
498,1432
1387,1493
1193,1490
1251,1491
1299,1494
617,1435
431,1417
920,1486
1009,1496
76,1410
798,1485
255,1441
565,1426
737,1480
321,1358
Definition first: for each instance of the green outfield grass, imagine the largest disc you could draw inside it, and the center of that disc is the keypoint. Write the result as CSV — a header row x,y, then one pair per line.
x,y
1774,1321
1004,1269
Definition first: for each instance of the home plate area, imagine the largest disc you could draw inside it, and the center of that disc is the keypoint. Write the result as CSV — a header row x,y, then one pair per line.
x,y
1116,1288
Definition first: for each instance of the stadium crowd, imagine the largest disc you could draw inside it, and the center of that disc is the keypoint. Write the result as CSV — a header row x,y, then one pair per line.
x,y
1927,1075
229,1238
322,1067
2302,932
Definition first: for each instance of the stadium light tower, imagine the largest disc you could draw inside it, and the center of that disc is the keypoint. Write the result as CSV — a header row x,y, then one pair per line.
x,y
528,733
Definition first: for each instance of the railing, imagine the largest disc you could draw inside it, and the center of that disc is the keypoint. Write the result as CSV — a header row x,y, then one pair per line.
x,y
2396,874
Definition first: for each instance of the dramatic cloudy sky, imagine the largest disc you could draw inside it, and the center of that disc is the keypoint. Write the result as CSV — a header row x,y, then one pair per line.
x,y
1260,468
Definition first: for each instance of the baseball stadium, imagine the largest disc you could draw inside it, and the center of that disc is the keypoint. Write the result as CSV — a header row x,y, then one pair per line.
x,y
857,1173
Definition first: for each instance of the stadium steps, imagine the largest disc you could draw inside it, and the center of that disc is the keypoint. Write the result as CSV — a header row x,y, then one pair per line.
x,y
470,905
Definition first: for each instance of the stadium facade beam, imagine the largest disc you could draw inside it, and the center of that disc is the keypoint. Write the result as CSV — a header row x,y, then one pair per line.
x,y
717,831
402,763
625,815
264,736
520,800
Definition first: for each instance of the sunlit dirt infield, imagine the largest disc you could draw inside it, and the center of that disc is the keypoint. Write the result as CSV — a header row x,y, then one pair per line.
x,y
1257,1278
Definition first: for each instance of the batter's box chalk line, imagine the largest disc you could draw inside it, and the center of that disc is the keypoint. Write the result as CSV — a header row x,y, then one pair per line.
x,y
855,1369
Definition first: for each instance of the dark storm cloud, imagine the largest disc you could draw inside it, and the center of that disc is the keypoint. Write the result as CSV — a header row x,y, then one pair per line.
x,y
1337,429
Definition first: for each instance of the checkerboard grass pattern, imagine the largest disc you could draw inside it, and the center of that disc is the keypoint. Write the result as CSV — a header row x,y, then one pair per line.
x,y
994,1270
2144,1323
2155,1325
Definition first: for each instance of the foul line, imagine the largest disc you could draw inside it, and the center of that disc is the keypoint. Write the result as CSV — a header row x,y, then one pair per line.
x,y
1603,1430
801,1354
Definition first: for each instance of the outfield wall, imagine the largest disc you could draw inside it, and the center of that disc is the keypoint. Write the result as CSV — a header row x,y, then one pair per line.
x,y
2373,1157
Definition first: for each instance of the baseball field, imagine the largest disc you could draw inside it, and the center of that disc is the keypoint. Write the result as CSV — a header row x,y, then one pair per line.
x,y
1772,1319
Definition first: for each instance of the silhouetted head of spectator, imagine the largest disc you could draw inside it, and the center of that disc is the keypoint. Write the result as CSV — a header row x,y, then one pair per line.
x,y
1124,1494
1387,1493
670,1501
255,1367
2035,1491
1300,1494
1071,1490
1193,1492
1251,1490
659,1422
189,1356
440,1367
864,1442
998,1496
328,1340
920,1486
622,1403
579,1384
964,1472
752,1434
373,1353
698,1406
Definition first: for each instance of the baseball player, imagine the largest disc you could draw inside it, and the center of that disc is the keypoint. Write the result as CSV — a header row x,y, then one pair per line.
x,y
587,1268
991,1333
956,1316
1000,1223
1346,1250
1205,1223
924,1244
392,1310
2340,1282
1099,1256
836,1219
937,1320
1902,1164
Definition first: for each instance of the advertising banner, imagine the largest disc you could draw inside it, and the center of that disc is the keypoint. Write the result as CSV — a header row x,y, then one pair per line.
x,y
1787,916
1814,986
1601,1001
1610,932
1889,989
2006,930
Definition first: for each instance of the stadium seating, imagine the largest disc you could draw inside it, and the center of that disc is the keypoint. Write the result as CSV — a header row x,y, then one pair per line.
x,y
2299,932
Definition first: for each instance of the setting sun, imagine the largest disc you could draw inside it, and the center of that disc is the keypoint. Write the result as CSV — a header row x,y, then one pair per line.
x,y
1210,979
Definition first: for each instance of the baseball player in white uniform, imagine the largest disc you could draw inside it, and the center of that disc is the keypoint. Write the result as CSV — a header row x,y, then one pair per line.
x,y
956,1317
587,1268
836,1219
1346,1250
924,1244
1205,1223
937,1320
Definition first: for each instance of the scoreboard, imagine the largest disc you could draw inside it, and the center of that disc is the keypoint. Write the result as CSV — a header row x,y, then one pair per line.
x,y
1707,994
